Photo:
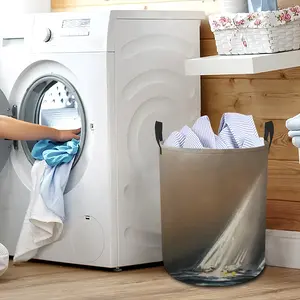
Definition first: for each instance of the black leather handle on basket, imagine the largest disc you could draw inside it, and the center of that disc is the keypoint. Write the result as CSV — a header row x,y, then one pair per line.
x,y
269,132
159,134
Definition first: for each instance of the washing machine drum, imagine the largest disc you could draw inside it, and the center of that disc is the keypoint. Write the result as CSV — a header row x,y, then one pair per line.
x,y
4,259
53,101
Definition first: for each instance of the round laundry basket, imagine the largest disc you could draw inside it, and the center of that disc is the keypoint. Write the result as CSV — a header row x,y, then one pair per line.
x,y
213,212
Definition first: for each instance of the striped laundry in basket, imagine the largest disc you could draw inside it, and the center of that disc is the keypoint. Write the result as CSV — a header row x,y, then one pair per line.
x,y
235,131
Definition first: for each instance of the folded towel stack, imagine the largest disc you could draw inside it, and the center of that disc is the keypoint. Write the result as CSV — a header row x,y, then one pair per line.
x,y
293,125
235,131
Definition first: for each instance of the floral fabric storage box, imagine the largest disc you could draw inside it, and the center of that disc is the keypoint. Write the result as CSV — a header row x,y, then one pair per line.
x,y
257,33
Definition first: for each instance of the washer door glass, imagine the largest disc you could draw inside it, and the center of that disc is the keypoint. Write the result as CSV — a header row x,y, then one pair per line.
x,y
52,101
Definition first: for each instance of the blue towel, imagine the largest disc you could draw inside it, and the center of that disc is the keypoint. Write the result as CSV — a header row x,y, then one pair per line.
x,y
59,158
55,153
53,185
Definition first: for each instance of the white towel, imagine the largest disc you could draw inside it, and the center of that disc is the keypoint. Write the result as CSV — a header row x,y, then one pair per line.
x,y
4,259
41,226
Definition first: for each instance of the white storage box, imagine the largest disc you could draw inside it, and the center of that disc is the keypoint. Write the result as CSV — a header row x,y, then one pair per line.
x,y
257,33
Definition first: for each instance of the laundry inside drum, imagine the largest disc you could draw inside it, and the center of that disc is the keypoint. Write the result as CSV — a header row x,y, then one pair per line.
x,y
54,102
59,108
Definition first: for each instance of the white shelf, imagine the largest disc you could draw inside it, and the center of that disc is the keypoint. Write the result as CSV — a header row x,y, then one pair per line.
x,y
242,64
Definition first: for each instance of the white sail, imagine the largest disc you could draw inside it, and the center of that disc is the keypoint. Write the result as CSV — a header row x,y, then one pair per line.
x,y
234,246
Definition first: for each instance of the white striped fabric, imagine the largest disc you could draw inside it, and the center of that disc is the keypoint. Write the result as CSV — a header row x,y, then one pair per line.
x,y
235,131
293,124
294,133
296,141
4,259
192,141
240,131
177,139
205,133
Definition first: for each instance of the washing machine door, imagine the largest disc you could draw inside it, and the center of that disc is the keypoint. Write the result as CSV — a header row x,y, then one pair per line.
x,y
5,145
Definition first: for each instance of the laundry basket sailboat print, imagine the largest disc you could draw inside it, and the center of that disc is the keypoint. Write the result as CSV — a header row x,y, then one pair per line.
x,y
213,211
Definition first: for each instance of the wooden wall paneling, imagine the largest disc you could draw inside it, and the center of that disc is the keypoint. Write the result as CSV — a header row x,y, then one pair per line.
x,y
265,99
283,216
287,3
63,4
281,148
206,33
208,47
284,180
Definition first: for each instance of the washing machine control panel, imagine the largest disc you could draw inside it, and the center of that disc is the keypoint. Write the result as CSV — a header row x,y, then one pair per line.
x,y
75,27
66,28
71,32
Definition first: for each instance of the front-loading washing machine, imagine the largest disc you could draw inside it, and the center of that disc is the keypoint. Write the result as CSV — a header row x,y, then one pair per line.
x,y
114,73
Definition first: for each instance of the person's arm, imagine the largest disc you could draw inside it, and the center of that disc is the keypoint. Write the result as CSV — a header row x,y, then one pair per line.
x,y
13,129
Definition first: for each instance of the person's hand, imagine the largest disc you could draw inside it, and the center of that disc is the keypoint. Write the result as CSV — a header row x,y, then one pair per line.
x,y
67,135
